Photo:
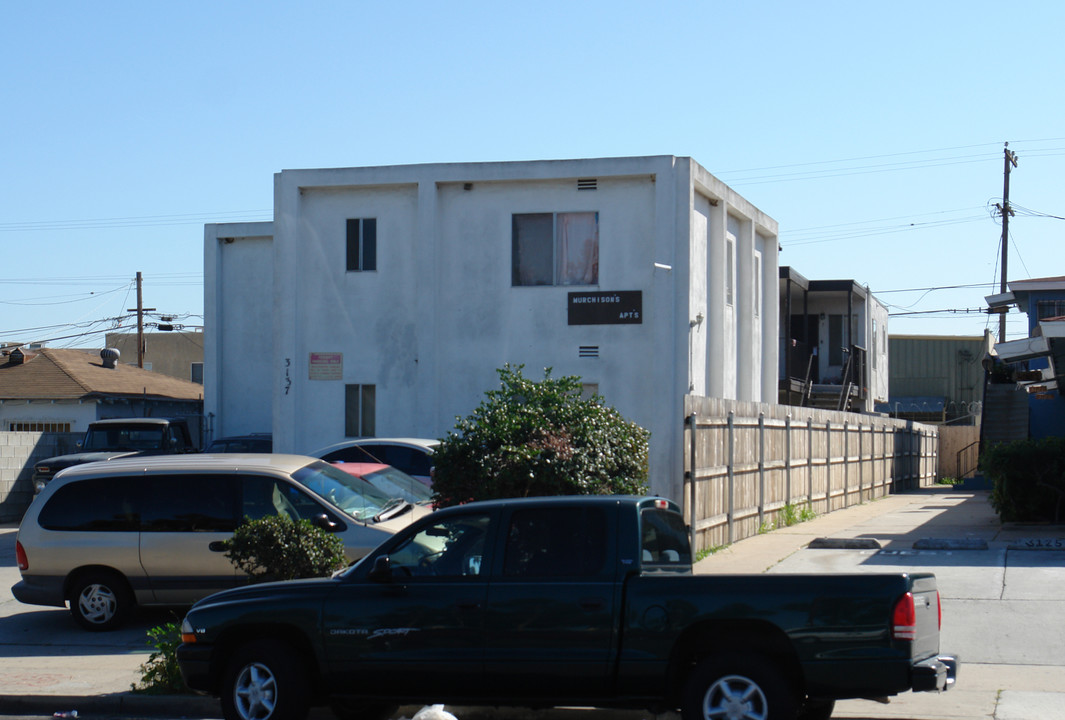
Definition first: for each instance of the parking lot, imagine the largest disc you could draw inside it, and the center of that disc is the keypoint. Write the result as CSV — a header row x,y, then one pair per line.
x,y
1003,608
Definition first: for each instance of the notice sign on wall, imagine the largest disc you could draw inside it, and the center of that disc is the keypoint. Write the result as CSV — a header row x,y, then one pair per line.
x,y
621,307
327,366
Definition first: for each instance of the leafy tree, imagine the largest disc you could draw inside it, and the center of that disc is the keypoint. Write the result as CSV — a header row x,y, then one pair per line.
x,y
1028,479
276,548
532,438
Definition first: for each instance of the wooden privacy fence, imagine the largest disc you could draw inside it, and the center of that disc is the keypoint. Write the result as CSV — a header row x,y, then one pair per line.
x,y
751,466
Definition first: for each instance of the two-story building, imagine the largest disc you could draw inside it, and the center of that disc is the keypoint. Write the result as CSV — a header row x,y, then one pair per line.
x,y
1039,359
833,344
381,300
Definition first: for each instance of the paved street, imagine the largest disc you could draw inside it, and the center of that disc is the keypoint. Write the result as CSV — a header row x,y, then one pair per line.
x,y
1003,614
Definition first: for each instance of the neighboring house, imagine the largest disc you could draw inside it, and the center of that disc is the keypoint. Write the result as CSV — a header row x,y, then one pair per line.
x,y
63,390
833,344
381,300
937,379
1038,360
177,354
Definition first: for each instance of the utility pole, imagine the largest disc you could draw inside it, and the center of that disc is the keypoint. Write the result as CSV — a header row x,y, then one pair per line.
x,y
140,310
1007,211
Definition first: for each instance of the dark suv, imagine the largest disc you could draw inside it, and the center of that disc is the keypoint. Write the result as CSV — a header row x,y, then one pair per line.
x,y
121,437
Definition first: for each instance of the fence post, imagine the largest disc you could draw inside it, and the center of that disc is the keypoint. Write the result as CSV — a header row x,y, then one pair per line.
x,y
828,466
846,464
731,475
691,483
861,467
787,457
761,470
810,463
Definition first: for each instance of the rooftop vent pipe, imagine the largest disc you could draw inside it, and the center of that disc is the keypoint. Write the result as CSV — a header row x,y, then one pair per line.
x,y
110,357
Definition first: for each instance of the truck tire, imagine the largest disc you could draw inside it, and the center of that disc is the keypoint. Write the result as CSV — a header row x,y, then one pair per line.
x,y
265,680
99,600
737,687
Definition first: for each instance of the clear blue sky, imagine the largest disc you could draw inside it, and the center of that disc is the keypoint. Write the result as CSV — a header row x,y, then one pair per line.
x,y
872,132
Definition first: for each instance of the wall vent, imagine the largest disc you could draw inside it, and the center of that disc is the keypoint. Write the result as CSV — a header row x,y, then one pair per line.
x,y
587,184
588,351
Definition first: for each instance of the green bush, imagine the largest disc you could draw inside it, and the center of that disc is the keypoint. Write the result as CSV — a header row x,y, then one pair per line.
x,y
161,674
532,438
1028,479
276,548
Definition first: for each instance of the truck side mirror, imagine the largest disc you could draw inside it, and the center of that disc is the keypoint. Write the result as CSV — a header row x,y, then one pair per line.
x,y
382,569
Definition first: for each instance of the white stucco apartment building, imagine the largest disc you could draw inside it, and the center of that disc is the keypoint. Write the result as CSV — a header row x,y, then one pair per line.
x,y
381,300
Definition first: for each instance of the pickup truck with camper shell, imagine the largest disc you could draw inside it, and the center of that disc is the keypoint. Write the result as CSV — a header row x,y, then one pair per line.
x,y
578,600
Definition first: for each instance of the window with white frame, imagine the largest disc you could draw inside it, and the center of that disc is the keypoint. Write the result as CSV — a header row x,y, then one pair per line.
x,y
360,410
555,248
361,244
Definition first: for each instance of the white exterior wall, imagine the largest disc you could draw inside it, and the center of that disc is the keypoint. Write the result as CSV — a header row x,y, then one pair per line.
x,y
879,392
78,414
238,335
439,315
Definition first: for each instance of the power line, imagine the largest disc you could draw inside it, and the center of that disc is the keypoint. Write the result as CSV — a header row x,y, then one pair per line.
x,y
138,221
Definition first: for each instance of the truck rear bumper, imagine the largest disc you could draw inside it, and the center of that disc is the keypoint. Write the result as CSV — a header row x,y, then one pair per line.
x,y
935,674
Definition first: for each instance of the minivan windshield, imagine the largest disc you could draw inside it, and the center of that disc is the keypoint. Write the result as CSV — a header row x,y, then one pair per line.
x,y
352,495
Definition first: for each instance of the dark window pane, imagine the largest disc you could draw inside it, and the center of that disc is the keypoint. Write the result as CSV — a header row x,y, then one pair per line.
x,y
189,503
100,504
453,548
267,497
835,339
353,245
351,411
556,542
532,249
369,244
369,410
665,539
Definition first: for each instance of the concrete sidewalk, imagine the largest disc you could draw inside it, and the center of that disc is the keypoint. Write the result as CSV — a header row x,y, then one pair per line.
x,y
84,675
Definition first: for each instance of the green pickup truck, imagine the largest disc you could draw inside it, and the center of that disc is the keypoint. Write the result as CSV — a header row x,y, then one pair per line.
x,y
545,602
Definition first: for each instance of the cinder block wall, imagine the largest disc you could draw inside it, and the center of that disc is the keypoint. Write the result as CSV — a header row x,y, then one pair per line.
x,y
18,453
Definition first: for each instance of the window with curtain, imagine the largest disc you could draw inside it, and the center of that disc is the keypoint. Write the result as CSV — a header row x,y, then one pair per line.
x,y
555,248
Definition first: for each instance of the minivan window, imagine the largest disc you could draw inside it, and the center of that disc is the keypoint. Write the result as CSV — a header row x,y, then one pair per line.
x,y
94,505
189,503
266,496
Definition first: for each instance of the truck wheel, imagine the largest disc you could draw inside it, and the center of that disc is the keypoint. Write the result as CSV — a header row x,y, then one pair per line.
x,y
817,709
265,681
100,600
743,687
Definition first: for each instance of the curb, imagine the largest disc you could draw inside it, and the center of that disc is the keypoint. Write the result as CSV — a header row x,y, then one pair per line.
x,y
190,706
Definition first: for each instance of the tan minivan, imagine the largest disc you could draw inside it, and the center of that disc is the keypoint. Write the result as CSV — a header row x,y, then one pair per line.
x,y
107,536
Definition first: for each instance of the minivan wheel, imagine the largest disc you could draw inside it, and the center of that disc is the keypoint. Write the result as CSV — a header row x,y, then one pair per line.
x,y
265,680
100,601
